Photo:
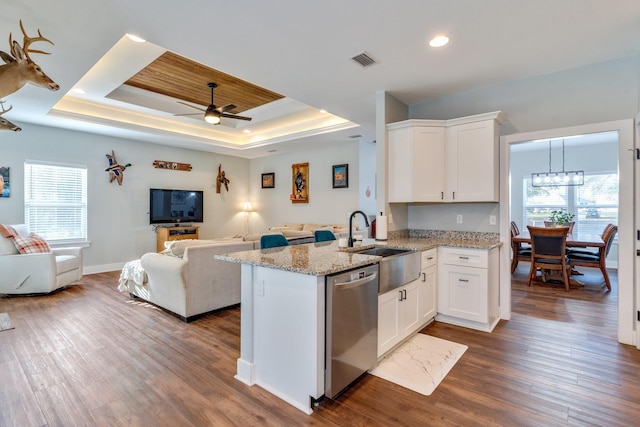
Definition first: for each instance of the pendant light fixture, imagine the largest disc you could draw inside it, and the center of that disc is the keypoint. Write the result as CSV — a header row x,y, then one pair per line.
x,y
556,179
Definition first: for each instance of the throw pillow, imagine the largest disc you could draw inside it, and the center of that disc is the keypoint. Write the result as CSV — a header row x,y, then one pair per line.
x,y
7,231
32,244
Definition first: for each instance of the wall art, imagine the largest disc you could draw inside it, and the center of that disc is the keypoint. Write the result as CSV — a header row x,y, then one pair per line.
x,y
269,180
5,182
340,176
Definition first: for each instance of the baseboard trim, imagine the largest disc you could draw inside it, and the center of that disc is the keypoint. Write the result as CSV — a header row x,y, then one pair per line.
x,y
103,268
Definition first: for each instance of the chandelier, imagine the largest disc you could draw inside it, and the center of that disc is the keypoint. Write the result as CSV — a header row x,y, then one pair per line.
x,y
559,178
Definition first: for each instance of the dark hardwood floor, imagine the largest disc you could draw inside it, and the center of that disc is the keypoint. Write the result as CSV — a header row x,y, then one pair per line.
x,y
89,355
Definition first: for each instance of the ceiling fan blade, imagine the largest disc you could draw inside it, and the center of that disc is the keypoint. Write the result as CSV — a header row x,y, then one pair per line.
x,y
189,105
189,114
227,108
233,116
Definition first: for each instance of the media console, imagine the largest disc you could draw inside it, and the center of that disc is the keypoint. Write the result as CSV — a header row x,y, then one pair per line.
x,y
174,233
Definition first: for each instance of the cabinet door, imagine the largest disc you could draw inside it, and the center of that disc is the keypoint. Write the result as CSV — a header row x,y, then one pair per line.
x,y
388,328
428,293
428,164
472,162
462,292
416,164
408,315
400,164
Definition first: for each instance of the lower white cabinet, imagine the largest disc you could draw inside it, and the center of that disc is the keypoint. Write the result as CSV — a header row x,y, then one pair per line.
x,y
468,287
404,310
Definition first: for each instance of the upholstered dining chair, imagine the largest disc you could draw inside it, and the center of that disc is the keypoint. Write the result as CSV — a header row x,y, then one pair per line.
x,y
520,252
323,235
595,259
548,252
273,241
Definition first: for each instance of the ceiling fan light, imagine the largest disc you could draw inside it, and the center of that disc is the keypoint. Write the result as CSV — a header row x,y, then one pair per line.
x,y
211,118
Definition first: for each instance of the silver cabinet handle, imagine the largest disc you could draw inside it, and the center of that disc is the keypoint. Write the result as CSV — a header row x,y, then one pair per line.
x,y
463,280
463,257
401,299
424,277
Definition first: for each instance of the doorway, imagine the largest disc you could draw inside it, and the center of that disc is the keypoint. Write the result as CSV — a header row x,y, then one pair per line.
x,y
624,131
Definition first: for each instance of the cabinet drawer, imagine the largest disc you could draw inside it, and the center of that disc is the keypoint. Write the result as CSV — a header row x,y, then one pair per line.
x,y
464,256
429,258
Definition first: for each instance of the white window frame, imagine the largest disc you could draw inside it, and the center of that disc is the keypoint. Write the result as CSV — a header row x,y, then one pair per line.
x,y
40,196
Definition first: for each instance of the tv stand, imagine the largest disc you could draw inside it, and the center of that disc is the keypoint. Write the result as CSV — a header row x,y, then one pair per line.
x,y
174,233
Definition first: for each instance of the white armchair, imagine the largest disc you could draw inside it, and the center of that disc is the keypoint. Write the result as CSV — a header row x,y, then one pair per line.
x,y
39,272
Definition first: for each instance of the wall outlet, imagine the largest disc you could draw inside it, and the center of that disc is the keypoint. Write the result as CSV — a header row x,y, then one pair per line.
x,y
459,219
492,220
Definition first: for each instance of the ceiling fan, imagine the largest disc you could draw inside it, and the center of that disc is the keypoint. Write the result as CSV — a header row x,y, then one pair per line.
x,y
213,114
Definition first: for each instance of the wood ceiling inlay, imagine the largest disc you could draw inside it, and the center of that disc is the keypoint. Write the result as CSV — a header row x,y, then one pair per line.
x,y
178,77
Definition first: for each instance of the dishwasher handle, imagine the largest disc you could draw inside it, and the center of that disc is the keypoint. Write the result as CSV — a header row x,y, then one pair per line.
x,y
355,283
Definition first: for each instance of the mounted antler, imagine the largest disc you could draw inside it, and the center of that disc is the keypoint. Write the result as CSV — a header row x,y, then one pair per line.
x,y
26,42
6,124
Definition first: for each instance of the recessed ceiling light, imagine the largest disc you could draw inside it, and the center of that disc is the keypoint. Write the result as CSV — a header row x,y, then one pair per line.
x,y
135,38
246,131
78,90
323,111
439,41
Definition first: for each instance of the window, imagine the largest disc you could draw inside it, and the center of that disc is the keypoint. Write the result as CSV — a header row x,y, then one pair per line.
x,y
595,204
55,201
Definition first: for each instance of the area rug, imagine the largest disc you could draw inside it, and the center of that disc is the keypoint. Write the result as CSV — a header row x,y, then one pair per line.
x,y
420,363
5,322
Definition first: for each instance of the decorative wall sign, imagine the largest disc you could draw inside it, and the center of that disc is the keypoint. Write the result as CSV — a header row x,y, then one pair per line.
x,y
5,187
161,164
221,180
19,69
340,176
116,171
299,183
269,180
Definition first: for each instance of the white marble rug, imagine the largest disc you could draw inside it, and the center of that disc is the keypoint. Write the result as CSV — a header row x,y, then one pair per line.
x,y
420,363
5,322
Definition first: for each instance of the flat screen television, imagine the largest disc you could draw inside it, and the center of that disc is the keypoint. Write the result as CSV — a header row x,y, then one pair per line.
x,y
175,206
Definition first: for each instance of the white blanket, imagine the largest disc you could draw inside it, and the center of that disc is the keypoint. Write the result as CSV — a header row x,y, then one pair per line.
x,y
132,271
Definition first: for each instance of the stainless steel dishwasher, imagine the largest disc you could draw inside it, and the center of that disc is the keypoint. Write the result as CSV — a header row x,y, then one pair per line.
x,y
351,327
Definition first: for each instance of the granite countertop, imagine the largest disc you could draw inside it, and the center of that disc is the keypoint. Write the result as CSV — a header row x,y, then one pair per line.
x,y
320,259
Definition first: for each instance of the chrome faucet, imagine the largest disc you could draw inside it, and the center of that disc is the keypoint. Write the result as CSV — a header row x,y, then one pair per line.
x,y
366,221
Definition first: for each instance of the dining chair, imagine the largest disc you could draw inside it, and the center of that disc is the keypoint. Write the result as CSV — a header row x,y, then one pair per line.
x,y
273,241
323,235
548,252
521,252
596,259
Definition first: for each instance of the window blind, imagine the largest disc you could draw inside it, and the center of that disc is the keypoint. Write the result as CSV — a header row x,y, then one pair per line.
x,y
55,200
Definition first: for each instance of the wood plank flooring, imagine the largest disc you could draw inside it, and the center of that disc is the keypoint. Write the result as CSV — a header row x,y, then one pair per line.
x,y
90,356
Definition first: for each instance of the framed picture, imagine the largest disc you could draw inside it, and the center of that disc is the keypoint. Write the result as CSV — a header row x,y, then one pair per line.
x,y
340,176
269,180
5,187
299,183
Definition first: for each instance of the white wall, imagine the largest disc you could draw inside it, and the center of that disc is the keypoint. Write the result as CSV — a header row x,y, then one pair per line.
x,y
592,94
326,205
118,224
367,177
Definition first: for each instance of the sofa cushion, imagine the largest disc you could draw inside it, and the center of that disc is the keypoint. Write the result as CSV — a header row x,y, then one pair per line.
x,y
297,227
32,244
177,247
296,233
66,263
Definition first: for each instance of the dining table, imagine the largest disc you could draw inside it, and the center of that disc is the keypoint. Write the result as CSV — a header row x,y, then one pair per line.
x,y
576,239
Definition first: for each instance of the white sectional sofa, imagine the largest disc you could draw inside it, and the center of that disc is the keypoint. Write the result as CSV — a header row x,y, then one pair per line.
x,y
187,281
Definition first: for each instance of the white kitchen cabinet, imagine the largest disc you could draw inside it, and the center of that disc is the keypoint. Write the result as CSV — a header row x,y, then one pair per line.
x,y
405,310
415,163
428,286
397,316
453,160
468,285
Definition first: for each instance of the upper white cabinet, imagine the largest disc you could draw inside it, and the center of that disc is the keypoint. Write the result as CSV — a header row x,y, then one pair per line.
x,y
415,163
453,160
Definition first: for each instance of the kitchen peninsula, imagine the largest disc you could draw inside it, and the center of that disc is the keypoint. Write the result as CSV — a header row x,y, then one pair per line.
x,y
282,337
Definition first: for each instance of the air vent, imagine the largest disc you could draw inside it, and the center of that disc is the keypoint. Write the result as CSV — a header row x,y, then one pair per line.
x,y
364,59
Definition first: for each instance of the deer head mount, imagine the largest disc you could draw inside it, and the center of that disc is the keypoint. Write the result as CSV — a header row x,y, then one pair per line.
x,y
6,124
19,69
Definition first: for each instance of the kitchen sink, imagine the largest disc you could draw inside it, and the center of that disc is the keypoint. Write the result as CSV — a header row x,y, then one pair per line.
x,y
397,266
